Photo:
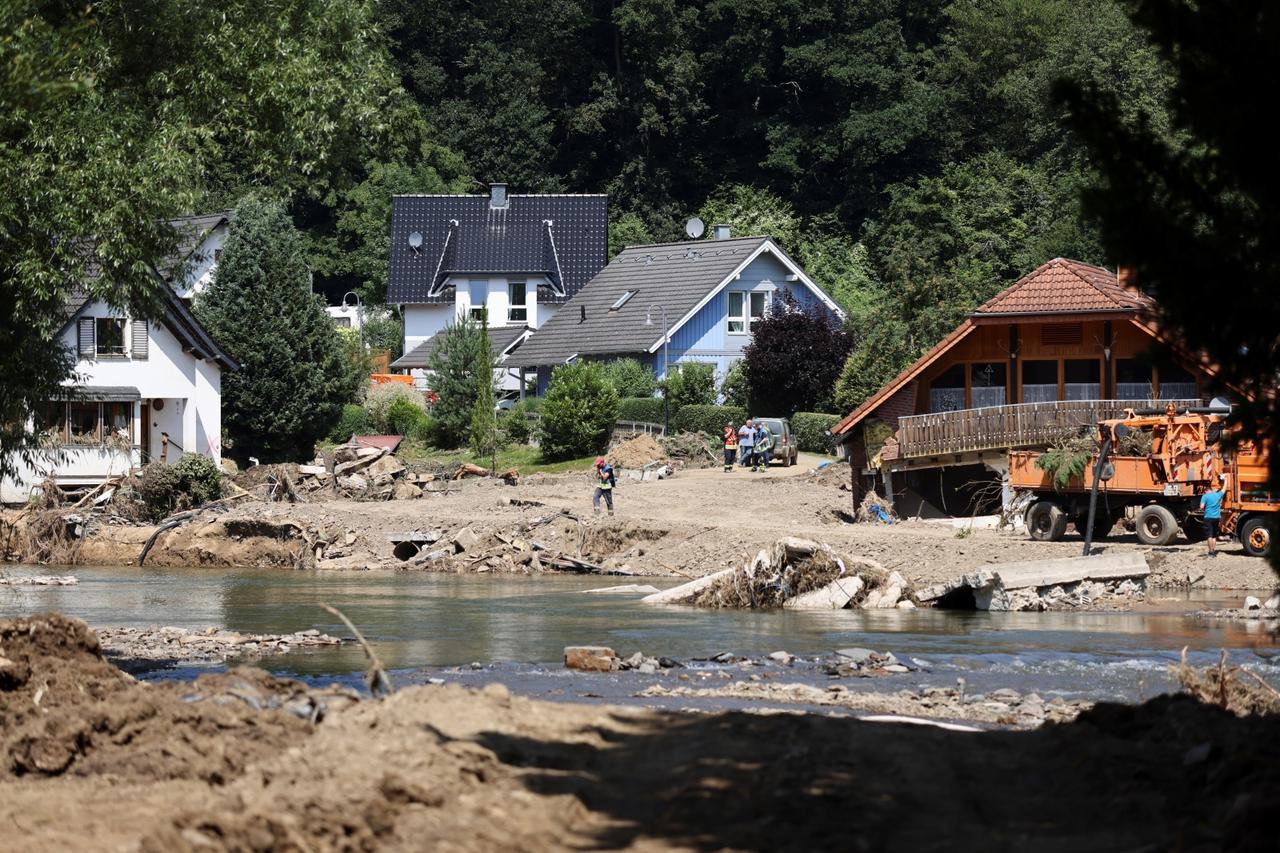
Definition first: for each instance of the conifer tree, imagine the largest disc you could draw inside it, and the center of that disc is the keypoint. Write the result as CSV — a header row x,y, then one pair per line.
x,y
484,420
294,375
459,363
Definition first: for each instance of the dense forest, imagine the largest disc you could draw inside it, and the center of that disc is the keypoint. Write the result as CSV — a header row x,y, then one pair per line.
x,y
909,153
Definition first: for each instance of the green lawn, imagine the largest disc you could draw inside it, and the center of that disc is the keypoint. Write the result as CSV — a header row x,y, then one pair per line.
x,y
525,459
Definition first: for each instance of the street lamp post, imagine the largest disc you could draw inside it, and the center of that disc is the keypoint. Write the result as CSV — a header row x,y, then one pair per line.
x,y
359,315
666,339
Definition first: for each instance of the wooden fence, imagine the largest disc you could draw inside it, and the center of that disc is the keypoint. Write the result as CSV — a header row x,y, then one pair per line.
x,y
1005,427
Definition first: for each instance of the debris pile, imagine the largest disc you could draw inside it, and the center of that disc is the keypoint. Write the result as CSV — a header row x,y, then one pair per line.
x,y
693,450
636,452
795,574
140,648
362,473
875,508
1062,584
1231,688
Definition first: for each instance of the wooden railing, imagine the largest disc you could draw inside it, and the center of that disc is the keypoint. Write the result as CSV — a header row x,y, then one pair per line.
x,y
1006,427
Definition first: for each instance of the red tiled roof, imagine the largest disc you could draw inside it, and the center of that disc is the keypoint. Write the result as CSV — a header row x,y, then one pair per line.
x,y
1062,286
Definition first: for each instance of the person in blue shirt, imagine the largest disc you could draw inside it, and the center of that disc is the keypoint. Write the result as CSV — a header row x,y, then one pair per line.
x,y
1211,505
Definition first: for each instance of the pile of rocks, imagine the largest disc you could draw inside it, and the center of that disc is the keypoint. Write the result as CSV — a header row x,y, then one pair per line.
x,y
138,648
866,663
370,473
605,659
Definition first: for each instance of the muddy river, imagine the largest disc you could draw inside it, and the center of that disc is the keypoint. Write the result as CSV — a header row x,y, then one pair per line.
x,y
476,629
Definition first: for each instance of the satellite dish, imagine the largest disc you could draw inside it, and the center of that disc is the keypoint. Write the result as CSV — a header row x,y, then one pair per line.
x,y
415,240
695,228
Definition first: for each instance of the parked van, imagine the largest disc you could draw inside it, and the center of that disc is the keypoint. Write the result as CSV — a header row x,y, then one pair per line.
x,y
784,441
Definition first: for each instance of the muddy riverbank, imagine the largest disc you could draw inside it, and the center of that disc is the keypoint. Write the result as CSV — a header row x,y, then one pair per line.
x,y
93,760
688,525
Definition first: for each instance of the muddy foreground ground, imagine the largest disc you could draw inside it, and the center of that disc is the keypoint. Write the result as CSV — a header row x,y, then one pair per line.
x,y
92,760
694,523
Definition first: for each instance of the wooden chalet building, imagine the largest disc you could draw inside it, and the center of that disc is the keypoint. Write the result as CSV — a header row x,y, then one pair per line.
x,y
1064,347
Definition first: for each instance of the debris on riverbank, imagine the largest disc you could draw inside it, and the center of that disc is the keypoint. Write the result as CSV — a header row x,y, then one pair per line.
x,y
1230,688
795,574
38,580
1000,707
1064,584
134,649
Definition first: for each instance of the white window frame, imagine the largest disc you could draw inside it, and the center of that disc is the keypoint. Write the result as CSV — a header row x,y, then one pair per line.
x,y
517,312
744,320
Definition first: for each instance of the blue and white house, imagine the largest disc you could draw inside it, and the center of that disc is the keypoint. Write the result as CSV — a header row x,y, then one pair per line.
x,y
701,298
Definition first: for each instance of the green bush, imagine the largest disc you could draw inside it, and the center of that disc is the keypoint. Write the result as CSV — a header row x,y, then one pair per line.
x,y
579,412
354,421
403,417
690,384
383,397
643,409
708,419
193,480
810,430
630,378
514,422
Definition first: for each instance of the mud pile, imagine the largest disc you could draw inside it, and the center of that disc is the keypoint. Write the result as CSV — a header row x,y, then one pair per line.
x,y
637,452
65,710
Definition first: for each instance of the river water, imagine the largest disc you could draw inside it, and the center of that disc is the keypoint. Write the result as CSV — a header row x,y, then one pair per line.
x,y
514,629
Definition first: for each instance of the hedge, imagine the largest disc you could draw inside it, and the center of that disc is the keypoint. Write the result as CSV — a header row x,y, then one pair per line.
x,y
708,419
642,409
811,431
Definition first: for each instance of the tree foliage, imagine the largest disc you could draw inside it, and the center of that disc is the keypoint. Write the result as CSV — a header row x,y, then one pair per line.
x,y
793,360
1196,211
294,373
630,378
461,365
579,412
484,417
689,384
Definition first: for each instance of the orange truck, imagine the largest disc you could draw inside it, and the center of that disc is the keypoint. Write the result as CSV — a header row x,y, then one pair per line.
x,y
1163,488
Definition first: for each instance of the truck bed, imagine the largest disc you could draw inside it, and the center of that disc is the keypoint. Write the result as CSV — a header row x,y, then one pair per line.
x,y
1133,476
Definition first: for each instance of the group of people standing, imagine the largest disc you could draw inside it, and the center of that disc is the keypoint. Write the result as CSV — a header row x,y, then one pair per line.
x,y
746,445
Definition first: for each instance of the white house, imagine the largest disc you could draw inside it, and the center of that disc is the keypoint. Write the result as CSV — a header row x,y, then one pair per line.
x,y
518,258
145,389
195,262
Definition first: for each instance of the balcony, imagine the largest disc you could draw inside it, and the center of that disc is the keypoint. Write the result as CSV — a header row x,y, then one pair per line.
x,y
1006,427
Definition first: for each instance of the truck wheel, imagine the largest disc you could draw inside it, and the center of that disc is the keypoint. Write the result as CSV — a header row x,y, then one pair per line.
x,y
1156,525
1046,522
1255,535
1193,529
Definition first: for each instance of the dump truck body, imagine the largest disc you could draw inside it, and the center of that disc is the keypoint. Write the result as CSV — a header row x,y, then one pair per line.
x,y
1162,488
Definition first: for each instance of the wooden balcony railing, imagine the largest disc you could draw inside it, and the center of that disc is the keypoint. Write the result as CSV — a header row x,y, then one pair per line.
x,y
1007,427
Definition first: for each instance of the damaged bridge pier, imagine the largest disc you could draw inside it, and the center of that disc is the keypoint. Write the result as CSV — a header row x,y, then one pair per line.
x,y
1041,584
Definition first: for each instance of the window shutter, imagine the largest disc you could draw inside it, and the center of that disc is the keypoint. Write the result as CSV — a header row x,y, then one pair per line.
x,y
88,344
138,344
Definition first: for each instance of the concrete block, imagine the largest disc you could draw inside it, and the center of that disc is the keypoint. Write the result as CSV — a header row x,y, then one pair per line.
x,y
686,590
465,540
833,596
1102,567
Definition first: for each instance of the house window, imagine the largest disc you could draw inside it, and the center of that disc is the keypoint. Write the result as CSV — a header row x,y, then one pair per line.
x,y
117,421
342,322
745,310
1133,380
517,312
110,336
479,314
1176,384
1039,381
987,384
946,393
82,423
1082,379
51,420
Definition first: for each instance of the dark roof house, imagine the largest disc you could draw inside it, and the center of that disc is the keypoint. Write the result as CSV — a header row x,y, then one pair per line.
x,y
434,237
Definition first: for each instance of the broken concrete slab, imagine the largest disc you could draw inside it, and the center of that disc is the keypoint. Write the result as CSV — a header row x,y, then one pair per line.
x,y
418,536
465,539
591,658
403,491
686,590
1102,567
834,596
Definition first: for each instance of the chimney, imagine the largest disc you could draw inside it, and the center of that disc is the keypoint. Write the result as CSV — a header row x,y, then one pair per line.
x,y
1126,278
720,232
498,195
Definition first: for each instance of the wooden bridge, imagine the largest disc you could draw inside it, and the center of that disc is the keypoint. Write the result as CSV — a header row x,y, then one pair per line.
x,y
1006,427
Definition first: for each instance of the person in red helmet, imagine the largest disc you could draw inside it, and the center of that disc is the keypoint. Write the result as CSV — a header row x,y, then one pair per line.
x,y
605,481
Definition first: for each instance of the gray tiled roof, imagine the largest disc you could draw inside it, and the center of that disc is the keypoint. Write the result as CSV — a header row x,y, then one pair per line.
x,y
676,275
511,240
192,231
501,339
